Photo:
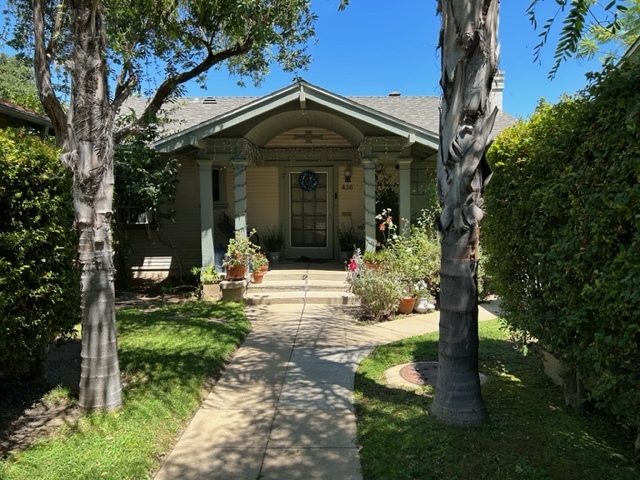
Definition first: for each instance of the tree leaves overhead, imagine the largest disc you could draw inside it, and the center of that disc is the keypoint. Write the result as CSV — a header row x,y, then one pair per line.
x,y
578,17
156,46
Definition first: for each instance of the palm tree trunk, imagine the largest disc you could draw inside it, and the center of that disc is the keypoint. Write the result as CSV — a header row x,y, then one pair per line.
x,y
91,158
458,399
469,63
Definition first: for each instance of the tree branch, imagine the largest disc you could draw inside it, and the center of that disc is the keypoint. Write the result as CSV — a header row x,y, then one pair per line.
x,y
170,84
42,59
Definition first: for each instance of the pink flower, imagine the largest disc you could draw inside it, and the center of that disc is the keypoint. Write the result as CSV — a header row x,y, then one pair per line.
x,y
382,227
353,265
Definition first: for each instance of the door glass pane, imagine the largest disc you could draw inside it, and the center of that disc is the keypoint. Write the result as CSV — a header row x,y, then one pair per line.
x,y
308,212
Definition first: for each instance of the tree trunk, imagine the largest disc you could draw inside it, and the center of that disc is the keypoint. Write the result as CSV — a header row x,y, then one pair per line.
x,y
469,62
90,156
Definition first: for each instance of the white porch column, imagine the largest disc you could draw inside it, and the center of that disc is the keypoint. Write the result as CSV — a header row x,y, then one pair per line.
x,y
404,195
369,204
206,213
240,194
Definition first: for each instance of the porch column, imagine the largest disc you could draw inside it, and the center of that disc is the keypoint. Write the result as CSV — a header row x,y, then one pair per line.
x,y
206,213
405,195
240,194
369,204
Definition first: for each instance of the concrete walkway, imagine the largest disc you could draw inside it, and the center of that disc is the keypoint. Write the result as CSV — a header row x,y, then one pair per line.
x,y
283,408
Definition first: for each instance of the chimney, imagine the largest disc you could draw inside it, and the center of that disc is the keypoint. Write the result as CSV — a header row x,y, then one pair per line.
x,y
496,89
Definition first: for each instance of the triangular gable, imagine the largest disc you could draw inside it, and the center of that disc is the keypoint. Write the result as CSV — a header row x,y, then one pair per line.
x,y
300,92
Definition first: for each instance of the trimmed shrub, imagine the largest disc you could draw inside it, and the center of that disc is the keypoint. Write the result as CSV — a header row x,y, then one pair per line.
x,y
563,234
39,286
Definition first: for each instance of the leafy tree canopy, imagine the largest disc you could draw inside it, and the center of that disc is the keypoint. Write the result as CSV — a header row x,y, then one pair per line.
x,y
599,37
174,41
578,18
17,84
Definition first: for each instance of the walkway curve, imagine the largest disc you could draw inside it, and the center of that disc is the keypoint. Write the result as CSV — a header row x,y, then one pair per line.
x,y
283,408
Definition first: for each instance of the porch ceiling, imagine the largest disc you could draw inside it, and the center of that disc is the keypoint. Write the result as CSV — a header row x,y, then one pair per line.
x,y
276,125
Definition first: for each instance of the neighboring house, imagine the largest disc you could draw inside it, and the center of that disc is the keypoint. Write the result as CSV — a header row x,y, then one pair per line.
x,y
12,115
301,158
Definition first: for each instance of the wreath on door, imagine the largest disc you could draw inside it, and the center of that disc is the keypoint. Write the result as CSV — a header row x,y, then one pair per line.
x,y
308,180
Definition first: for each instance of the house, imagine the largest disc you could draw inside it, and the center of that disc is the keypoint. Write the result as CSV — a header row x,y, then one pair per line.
x,y
301,158
12,115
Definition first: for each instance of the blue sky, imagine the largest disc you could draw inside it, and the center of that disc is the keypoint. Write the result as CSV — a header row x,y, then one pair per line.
x,y
378,46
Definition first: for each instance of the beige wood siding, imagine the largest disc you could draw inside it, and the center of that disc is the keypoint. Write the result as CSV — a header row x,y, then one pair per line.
x,y
350,198
175,244
263,198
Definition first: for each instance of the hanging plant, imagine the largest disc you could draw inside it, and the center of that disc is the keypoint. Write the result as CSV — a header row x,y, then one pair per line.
x,y
308,180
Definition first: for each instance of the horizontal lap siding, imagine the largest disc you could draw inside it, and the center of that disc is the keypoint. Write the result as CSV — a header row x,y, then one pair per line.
x,y
175,246
351,199
262,198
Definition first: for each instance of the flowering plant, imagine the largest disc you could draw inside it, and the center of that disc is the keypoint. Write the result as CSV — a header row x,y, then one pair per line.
x,y
386,228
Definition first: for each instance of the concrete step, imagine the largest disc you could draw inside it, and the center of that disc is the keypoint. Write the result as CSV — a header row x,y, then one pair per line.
x,y
307,283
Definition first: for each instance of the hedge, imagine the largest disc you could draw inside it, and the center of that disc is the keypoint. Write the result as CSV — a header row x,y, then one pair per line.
x,y
563,234
39,285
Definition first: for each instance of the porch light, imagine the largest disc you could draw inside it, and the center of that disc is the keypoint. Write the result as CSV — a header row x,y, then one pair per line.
x,y
347,174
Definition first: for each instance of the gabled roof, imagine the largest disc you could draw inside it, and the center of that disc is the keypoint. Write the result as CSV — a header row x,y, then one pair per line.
x,y
410,116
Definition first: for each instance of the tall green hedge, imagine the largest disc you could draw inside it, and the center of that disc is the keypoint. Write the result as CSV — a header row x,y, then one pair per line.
x,y
39,285
563,234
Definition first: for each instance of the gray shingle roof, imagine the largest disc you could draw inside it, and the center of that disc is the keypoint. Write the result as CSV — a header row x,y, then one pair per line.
x,y
421,111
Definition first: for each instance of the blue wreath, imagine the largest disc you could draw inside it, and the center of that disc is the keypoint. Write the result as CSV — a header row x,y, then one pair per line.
x,y
308,180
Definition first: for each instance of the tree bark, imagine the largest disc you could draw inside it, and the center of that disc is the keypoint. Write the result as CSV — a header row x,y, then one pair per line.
x,y
90,156
469,63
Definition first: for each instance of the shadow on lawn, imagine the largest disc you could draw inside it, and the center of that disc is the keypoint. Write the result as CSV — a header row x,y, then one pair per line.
x,y
529,435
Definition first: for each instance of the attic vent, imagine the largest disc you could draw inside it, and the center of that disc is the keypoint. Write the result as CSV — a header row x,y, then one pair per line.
x,y
210,101
394,94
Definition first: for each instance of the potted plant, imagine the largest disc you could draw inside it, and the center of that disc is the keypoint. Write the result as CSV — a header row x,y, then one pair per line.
x,y
239,252
208,282
375,259
348,238
273,240
259,266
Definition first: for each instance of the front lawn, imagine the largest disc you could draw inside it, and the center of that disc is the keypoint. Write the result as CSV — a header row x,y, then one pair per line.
x,y
530,435
167,354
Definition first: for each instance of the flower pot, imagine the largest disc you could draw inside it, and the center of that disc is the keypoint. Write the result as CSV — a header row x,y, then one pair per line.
x,y
372,266
274,256
258,276
424,305
406,305
237,272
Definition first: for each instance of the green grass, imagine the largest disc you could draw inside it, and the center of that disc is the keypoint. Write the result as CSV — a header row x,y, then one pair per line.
x,y
166,356
530,434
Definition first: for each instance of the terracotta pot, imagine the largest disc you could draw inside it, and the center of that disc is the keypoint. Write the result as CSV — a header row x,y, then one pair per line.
x,y
406,305
258,276
372,266
236,273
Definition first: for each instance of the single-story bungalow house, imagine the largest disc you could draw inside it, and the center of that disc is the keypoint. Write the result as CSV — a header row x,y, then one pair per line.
x,y
15,116
302,158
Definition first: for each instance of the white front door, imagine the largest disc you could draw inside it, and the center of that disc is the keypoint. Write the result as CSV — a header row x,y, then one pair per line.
x,y
310,199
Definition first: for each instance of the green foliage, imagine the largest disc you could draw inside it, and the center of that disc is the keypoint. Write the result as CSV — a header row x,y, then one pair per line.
x,y
350,238
39,295
579,18
146,184
273,239
17,84
240,249
415,257
563,233
530,436
378,290
168,355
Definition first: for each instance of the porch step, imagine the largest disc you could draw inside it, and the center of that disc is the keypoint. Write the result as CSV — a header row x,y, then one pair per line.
x,y
296,282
